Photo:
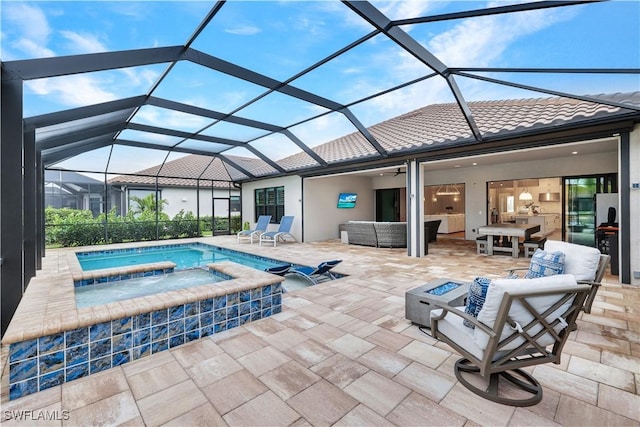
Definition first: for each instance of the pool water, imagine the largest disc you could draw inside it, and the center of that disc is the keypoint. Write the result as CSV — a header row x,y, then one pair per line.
x,y
103,293
190,259
185,256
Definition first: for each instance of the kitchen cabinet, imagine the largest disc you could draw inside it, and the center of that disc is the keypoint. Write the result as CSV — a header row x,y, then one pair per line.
x,y
450,223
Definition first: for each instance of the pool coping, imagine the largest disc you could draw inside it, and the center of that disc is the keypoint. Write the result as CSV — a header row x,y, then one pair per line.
x,y
48,305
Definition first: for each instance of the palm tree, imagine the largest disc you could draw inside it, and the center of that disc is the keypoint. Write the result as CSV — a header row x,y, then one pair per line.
x,y
147,204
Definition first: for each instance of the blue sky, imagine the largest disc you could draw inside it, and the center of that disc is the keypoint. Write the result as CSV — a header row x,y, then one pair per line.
x,y
280,39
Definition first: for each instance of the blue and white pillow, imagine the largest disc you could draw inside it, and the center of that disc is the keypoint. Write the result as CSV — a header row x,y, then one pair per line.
x,y
545,264
475,298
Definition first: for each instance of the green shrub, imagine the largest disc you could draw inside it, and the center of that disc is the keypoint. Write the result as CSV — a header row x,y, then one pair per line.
x,y
72,227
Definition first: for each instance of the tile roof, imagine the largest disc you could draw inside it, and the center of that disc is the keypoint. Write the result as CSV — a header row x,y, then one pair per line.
x,y
191,166
431,127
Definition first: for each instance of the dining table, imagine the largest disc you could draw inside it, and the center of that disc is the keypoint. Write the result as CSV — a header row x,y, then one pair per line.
x,y
513,231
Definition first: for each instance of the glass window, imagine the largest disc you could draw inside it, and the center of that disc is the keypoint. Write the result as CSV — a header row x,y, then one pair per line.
x,y
270,201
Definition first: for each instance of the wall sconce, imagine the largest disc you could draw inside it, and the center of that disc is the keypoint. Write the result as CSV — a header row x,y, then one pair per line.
x,y
184,199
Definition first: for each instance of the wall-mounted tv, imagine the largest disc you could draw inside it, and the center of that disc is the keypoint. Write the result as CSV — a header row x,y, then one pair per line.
x,y
347,200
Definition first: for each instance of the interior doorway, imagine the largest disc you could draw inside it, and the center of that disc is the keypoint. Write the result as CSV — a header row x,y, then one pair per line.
x,y
446,203
389,205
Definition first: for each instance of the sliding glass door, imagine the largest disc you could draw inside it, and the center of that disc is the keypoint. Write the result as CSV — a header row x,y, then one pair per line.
x,y
579,210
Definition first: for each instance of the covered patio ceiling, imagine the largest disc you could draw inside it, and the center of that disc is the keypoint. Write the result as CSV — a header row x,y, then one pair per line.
x,y
256,83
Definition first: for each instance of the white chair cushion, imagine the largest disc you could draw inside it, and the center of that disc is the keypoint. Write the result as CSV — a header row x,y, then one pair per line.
x,y
518,312
581,261
452,327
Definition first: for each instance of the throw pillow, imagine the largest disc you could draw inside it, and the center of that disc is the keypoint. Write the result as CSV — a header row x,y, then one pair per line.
x,y
475,298
545,264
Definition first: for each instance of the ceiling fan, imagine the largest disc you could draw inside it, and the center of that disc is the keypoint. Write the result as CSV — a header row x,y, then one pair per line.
x,y
396,173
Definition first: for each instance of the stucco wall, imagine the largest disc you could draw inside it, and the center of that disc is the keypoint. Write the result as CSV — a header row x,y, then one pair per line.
x,y
185,198
321,215
292,201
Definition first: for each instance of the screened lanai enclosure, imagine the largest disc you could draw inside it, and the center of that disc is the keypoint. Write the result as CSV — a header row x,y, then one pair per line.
x,y
160,111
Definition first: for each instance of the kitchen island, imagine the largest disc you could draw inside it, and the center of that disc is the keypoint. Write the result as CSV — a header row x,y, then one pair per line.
x,y
548,222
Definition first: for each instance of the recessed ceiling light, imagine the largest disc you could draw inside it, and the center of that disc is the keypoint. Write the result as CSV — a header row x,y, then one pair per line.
x,y
456,166
475,164
574,152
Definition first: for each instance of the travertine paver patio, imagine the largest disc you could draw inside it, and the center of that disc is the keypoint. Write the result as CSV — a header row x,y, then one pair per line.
x,y
342,353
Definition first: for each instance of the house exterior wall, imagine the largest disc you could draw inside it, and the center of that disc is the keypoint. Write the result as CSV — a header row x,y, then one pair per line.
x,y
292,201
318,190
319,195
321,215
185,198
476,177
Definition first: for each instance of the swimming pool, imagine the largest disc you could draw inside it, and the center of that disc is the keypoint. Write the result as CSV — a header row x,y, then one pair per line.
x,y
185,256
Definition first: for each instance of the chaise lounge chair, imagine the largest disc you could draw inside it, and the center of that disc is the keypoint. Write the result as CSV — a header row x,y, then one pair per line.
x,y
317,274
279,270
261,227
284,230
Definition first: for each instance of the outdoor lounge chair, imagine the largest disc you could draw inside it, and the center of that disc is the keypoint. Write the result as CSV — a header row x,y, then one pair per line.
x,y
261,227
279,270
522,323
284,230
317,274
587,264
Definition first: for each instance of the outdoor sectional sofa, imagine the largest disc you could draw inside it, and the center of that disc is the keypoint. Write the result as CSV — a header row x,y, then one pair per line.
x,y
384,234
378,234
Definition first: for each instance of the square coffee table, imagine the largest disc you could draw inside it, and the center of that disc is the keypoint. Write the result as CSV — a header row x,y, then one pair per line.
x,y
419,301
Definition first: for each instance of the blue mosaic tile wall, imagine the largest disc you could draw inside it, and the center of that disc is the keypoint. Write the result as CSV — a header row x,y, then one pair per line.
x,y
126,276
44,362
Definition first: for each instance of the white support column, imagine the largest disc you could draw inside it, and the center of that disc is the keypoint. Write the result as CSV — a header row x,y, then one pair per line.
x,y
415,209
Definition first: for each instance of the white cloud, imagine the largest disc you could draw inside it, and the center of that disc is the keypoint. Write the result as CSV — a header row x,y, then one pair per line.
x,y
32,48
352,70
170,119
35,28
323,129
138,78
472,42
29,36
83,43
481,41
72,91
403,9
243,30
